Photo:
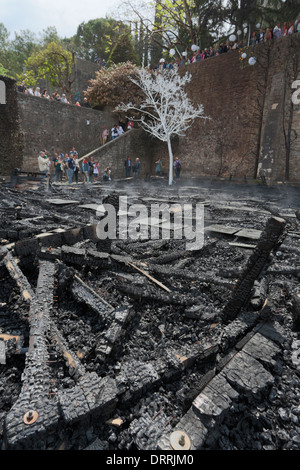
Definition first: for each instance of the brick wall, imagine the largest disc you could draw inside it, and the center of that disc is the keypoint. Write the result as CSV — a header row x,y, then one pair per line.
x,y
52,125
225,143
278,158
11,142
135,144
251,115
295,147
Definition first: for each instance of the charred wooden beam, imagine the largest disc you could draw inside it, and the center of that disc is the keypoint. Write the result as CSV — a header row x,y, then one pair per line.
x,y
16,274
107,340
83,293
74,366
269,240
188,275
147,295
42,303
150,277
34,397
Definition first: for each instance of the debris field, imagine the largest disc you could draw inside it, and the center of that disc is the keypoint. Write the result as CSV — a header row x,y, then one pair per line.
x,y
148,344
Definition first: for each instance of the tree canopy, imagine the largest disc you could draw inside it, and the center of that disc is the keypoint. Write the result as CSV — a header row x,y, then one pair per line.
x,y
112,85
146,29
182,23
96,38
53,63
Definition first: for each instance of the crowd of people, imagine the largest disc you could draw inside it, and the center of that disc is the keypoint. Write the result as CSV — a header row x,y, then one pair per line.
x,y
100,62
67,167
258,36
55,96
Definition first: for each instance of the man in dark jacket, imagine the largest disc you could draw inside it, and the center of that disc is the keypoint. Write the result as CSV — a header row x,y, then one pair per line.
x,y
127,165
71,165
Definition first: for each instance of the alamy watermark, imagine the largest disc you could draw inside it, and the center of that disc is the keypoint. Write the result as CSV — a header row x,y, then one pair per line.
x,y
296,94
158,221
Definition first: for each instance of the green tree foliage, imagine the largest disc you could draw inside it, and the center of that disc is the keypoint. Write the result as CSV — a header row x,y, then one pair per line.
x,y
96,38
181,23
4,72
4,41
53,63
253,12
49,35
123,49
16,51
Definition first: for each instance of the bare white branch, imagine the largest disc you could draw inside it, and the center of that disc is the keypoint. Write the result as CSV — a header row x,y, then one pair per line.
x,y
166,110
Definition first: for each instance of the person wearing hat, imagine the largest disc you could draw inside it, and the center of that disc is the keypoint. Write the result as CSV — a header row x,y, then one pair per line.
x,y
64,99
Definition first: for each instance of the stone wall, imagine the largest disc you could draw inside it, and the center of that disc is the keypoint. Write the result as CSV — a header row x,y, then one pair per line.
x,y
280,139
52,125
254,127
294,167
224,143
134,143
11,142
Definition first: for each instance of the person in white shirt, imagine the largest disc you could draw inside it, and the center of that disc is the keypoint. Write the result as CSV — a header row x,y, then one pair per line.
x,y
43,162
114,132
64,99
120,130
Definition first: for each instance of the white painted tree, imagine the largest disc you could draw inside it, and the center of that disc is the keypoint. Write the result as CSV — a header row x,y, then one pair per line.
x,y
166,110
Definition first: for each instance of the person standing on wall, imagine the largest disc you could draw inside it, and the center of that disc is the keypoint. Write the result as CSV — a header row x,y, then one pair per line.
x,y
91,169
114,132
130,125
104,135
65,165
120,130
95,171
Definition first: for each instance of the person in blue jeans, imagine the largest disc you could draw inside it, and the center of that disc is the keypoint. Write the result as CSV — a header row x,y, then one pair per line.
x,y
71,165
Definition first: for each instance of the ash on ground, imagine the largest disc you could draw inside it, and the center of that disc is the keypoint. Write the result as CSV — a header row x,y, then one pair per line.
x,y
143,344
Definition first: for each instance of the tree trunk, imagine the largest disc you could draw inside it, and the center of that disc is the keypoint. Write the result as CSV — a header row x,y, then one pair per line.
x,y
171,162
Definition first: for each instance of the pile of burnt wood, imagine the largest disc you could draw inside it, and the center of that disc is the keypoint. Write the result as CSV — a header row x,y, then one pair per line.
x,y
145,344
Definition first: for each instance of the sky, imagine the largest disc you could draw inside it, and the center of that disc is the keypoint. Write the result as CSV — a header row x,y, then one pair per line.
x,y
65,15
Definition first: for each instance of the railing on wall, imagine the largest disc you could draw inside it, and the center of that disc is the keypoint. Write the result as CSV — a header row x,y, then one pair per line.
x,y
100,148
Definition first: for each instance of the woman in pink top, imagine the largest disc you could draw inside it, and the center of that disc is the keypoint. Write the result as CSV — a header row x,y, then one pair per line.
x,y
104,135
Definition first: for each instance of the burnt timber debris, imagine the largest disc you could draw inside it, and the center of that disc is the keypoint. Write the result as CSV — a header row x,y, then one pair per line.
x,y
142,344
